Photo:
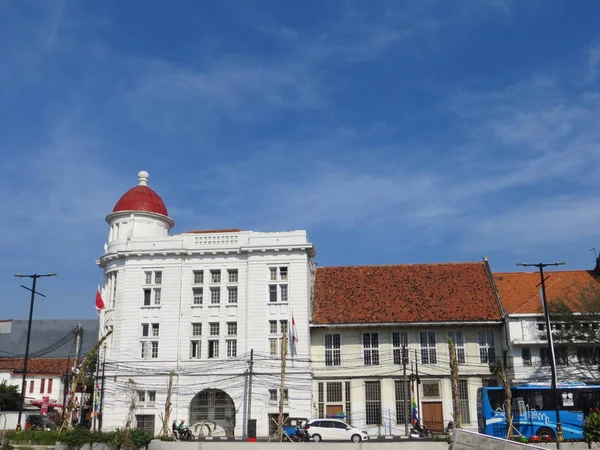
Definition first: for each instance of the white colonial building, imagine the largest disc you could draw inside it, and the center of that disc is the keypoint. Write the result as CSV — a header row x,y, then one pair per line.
x,y
528,350
198,304
366,317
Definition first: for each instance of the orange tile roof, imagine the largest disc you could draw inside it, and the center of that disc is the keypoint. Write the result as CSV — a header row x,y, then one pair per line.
x,y
46,366
446,292
519,291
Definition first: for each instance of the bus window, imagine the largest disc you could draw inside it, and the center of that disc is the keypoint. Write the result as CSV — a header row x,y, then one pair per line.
x,y
589,400
496,399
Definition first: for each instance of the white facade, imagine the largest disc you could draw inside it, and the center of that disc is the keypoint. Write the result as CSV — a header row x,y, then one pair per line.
x,y
197,304
353,365
530,358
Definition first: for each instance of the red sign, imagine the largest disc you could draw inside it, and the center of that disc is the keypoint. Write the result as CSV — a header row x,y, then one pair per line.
x,y
44,408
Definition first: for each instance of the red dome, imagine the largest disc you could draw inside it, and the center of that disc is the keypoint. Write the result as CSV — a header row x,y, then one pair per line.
x,y
141,198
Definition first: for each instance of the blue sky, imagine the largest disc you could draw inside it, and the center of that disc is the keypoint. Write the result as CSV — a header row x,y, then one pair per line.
x,y
393,131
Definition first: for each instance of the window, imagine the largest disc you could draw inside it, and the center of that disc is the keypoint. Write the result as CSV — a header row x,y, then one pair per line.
x,y
110,289
272,395
155,329
49,391
157,296
215,276
141,396
403,406
145,422
31,384
214,329
458,337
526,356
489,382
153,277
149,349
196,329
321,398
273,347
272,292
373,402
42,385
284,293
371,349
151,396
198,276
334,392
487,350
562,356
215,296
588,355
195,348
284,326
213,349
273,326
231,328
273,273
332,350
463,400
348,405
428,347
400,346
197,295
544,356
233,275
145,328
283,273
232,294
231,348
147,297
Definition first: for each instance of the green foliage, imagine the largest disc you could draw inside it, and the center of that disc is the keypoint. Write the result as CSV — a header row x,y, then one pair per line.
x,y
32,437
9,397
577,313
78,437
591,428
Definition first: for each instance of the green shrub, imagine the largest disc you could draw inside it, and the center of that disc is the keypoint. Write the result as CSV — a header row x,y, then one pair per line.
x,y
32,437
591,428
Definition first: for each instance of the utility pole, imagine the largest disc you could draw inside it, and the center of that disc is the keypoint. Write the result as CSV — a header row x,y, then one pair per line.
x,y
34,277
540,266
250,373
66,386
284,343
405,386
418,381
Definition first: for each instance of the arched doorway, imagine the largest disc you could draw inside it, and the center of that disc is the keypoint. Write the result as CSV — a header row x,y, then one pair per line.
x,y
212,413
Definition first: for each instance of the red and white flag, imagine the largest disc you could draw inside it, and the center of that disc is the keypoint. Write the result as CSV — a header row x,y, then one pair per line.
x,y
293,337
99,302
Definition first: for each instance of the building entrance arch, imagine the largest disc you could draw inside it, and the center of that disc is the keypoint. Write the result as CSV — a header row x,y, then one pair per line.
x,y
212,413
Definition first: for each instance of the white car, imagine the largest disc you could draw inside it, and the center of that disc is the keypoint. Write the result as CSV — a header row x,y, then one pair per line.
x,y
334,430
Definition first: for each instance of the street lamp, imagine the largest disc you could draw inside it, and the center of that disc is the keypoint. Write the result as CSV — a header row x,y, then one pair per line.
x,y
34,277
541,266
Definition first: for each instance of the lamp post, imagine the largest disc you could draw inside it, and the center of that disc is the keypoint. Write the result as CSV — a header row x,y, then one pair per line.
x,y
541,266
34,277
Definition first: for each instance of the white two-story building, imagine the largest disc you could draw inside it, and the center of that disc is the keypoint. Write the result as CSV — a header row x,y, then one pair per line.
x,y
211,307
529,354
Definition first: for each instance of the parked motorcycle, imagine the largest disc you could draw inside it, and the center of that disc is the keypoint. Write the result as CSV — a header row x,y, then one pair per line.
x,y
420,431
301,435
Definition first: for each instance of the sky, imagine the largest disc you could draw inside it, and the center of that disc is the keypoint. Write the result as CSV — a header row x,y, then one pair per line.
x,y
392,131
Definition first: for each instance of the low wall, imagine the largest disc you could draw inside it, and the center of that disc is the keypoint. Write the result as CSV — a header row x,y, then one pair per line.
x,y
379,445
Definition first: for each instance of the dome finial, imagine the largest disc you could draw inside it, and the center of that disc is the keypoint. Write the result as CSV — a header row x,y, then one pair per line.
x,y
143,178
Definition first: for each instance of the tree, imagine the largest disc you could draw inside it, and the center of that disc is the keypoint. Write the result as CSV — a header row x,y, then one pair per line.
x,y
9,397
454,380
497,370
576,314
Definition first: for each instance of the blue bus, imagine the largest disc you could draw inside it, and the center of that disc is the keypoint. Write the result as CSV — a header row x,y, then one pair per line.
x,y
534,411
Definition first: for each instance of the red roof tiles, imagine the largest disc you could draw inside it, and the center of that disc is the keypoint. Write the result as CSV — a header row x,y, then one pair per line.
x,y
46,366
450,292
519,292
